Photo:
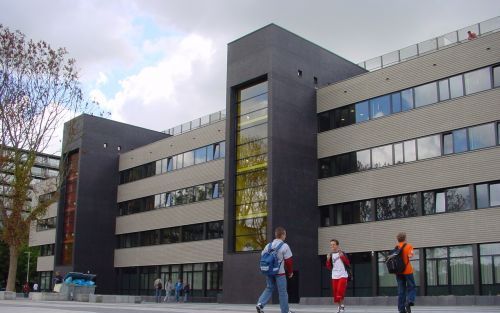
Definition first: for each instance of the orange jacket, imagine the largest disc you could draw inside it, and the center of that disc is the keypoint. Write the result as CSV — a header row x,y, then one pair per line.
x,y
407,253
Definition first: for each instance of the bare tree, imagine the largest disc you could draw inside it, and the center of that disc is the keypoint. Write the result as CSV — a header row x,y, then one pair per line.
x,y
39,90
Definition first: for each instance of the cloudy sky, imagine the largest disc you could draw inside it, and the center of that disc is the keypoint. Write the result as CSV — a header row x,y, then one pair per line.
x,y
159,63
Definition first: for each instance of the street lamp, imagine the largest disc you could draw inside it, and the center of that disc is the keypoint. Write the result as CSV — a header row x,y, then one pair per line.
x,y
28,270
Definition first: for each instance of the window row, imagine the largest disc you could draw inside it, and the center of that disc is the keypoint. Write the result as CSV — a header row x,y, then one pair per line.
x,y
438,270
185,233
205,279
45,224
445,89
201,155
456,141
449,270
47,197
408,205
182,196
47,250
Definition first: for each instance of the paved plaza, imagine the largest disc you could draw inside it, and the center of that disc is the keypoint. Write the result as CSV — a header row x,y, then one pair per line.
x,y
27,306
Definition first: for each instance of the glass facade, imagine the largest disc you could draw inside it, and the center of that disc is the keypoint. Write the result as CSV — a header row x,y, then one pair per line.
x,y
69,210
456,141
250,207
387,285
176,162
448,200
205,279
449,270
177,197
404,100
490,268
184,233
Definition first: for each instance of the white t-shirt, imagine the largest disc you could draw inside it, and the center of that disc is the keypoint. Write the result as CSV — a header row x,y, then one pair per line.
x,y
338,268
35,287
283,253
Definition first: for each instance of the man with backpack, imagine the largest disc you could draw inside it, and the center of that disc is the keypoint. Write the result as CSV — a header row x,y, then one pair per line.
x,y
398,263
276,263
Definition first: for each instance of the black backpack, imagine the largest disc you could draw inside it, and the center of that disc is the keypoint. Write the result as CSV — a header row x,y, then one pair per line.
x,y
394,261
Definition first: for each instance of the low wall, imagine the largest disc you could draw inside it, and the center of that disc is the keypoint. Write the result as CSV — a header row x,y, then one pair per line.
x,y
420,301
114,299
48,296
7,295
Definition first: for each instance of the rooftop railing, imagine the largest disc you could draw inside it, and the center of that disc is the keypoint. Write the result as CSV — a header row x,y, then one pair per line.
x,y
196,123
489,26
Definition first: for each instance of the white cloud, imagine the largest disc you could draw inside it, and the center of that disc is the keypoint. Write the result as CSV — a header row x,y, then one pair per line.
x,y
150,97
102,79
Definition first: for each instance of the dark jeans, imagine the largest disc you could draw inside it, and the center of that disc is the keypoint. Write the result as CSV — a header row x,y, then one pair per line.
x,y
158,295
406,290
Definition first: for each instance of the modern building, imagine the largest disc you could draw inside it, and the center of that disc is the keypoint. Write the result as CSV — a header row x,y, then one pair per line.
x,y
85,233
43,232
45,167
326,148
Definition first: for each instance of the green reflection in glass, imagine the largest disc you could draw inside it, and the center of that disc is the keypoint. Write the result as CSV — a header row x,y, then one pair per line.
x,y
251,210
251,149
251,134
250,195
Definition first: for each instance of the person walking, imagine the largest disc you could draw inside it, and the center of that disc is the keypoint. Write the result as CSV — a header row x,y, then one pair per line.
x,y
26,289
405,279
178,289
158,286
338,263
168,290
284,255
186,289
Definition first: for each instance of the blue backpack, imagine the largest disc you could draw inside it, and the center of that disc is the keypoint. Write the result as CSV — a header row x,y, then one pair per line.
x,y
269,263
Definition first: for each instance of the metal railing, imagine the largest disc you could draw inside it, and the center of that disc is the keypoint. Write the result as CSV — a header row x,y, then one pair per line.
x,y
196,123
489,26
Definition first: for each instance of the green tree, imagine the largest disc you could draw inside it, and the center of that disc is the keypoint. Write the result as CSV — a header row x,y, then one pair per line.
x,y
39,90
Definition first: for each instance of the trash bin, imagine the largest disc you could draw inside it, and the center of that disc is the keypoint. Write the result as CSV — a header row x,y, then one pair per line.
x,y
78,283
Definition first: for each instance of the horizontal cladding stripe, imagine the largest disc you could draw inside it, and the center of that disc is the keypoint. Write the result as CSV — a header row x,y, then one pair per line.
x,y
186,177
199,212
449,61
45,237
449,171
45,263
173,145
478,226
462,112
180,253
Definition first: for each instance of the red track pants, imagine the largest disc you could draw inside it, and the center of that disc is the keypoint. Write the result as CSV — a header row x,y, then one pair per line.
x,y
339,287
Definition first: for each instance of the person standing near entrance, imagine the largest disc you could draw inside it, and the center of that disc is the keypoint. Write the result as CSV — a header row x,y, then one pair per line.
x,y
168,290
405,279
158,287
178,289
26,289
284,255
338,262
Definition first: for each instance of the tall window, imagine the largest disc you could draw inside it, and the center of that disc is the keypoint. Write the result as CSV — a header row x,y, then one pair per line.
x,y
490,268
449,270
387,285
69,209
251,168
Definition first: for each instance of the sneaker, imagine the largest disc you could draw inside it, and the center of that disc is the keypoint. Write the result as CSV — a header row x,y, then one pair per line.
x,y
342,309
408,308
260,308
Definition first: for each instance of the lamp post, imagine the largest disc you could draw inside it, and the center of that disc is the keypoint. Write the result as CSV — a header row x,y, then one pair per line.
x,y
28,270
